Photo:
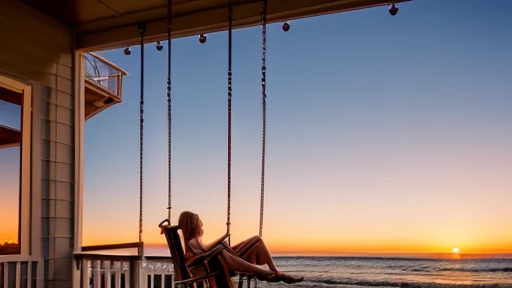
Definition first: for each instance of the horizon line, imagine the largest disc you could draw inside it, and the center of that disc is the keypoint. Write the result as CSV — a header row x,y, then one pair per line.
x,y
444,255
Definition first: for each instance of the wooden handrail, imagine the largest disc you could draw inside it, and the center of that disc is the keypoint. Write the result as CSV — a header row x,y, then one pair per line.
x,y
18,258
108,63
91,248
105,257
158,258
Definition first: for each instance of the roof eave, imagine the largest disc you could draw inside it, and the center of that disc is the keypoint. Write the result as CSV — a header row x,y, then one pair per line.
x,y
123,31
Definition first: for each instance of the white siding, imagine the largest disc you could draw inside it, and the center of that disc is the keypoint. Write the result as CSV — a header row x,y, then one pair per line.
x,y
37,50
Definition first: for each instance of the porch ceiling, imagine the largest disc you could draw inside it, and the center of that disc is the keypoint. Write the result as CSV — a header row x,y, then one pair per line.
x,y
107,24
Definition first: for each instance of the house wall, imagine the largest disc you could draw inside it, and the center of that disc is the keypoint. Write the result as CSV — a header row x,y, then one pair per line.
x,y
37,50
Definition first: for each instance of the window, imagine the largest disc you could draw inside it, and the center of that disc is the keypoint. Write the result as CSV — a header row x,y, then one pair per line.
x,y
11,115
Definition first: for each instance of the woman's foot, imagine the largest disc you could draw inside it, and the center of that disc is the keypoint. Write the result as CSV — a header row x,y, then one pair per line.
x,y
272,277
288,279
278,277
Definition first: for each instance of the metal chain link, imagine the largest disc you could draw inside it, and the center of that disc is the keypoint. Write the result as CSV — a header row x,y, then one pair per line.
x,y
142,29
169,115
264,108
230,90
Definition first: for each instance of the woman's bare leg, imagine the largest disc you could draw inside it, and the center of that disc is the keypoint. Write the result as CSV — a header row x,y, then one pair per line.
x,y
254,250
235,263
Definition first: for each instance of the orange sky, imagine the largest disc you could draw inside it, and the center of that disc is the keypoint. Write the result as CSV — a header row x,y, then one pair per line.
x,y
297,242
9,191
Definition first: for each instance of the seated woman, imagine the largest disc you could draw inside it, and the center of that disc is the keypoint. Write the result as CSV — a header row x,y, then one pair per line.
x,y
243,257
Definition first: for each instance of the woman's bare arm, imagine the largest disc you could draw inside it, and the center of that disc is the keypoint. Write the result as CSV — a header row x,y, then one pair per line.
x,y
214,244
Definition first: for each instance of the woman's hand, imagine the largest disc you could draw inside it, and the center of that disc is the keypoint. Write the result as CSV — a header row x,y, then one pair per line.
x,y
221,240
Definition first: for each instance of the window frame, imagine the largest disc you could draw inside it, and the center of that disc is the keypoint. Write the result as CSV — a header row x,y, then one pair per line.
x,y
24,210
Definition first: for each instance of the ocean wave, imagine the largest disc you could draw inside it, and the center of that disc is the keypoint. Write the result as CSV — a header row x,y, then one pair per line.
x,y
460,269
503,269
369,283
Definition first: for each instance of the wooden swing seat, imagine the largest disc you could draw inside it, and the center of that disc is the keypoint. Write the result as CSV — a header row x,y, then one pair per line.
x,y
204,270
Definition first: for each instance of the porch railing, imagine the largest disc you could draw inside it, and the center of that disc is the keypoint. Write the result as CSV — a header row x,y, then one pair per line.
x,y
19,272
100,270
103,73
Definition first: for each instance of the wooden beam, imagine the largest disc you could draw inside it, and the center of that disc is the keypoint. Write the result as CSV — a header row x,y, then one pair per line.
x,y
122,31
11,96
9,137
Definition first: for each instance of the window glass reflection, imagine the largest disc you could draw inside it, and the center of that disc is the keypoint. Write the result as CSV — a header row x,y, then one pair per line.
x,y
10,167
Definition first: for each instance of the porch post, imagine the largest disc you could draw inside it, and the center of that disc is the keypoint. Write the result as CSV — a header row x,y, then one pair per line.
x,y
79,74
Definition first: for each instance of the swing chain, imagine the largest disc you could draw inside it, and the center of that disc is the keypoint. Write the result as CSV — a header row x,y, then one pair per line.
x,y
169,115
264,108
230,28
142,30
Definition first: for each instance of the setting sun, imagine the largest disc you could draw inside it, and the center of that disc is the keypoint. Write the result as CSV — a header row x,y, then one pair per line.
x,y
455,250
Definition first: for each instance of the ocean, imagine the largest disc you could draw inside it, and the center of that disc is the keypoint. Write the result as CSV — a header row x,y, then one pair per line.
x,y
359,272
330,272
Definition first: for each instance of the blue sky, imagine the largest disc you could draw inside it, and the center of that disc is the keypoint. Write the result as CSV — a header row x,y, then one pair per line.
x,y
384,133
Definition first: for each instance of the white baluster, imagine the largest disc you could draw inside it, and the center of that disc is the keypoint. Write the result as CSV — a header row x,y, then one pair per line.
x,y
106,273
118,266
18,274
85,273
127,275
6,268
96,273
29,274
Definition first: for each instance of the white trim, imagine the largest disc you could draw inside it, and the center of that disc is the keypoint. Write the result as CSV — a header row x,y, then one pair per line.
x,y
12,84
26,158
36,175
79,143
79,79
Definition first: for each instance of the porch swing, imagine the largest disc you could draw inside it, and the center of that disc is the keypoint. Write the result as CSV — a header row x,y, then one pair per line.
x,y
208,266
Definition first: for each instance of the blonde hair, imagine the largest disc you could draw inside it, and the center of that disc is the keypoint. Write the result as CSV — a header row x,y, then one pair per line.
x,y
190,225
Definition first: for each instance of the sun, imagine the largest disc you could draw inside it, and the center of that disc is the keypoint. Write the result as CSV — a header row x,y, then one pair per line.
x,y
455,250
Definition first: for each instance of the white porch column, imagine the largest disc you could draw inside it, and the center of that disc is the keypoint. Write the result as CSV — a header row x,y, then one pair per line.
x,y
79,79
